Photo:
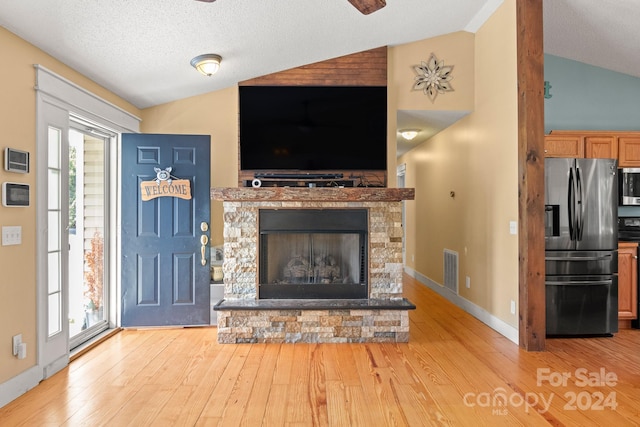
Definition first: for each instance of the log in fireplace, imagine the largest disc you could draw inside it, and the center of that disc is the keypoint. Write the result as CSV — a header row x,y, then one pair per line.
x,y
313,253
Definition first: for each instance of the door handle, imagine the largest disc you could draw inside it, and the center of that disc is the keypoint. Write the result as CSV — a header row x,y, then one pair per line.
x,y
579,259
579,282
203,248
580,207
571,206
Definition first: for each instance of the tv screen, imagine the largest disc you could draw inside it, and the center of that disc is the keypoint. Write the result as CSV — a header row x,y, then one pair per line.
x,y
310,128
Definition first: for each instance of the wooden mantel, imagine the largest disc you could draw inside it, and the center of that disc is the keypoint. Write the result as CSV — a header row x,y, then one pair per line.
x,y
323,194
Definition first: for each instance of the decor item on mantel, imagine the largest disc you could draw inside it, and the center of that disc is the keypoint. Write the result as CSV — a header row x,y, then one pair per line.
x,y
433,77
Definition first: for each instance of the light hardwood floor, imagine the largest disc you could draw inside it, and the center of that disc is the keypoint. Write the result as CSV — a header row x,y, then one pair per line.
x,y
454,371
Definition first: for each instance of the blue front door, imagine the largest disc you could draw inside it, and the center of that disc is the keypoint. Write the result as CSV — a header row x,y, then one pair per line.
x,y
165,268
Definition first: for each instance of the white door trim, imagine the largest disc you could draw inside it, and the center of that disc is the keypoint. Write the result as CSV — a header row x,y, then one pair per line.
x,y
54,91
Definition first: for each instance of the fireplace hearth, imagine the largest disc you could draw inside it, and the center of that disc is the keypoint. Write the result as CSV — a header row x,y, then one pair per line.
x,y
328,270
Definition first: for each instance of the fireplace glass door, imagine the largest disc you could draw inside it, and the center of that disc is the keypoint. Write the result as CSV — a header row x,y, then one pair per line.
x,y
318,257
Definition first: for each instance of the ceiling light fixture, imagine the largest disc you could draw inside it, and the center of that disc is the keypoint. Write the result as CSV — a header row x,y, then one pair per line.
x,y
409,134
207,64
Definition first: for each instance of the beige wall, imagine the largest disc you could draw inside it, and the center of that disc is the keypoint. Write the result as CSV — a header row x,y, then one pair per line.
x,y
477,159
214,114
455,49
18,124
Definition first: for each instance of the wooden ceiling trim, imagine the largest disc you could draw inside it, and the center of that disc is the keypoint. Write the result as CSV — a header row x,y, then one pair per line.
x,y
367,68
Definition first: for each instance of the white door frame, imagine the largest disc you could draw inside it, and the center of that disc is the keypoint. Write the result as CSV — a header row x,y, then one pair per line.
x,y
401,172
54,96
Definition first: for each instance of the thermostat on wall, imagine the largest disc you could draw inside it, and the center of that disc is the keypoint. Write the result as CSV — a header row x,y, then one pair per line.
x,y
16,160
15,194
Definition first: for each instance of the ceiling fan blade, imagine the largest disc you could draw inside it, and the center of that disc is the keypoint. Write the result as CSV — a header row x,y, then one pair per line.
x,y
368,6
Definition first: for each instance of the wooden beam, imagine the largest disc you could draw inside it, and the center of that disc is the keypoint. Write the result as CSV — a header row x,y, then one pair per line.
x,y
530,57
368,6
367,68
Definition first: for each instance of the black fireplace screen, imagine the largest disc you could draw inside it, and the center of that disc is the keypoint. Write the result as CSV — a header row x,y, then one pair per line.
x,y
313,253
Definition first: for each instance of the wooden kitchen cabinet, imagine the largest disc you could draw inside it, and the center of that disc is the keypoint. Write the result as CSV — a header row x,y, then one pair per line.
x,y
594,144
627,280
629,151
563,146
601,147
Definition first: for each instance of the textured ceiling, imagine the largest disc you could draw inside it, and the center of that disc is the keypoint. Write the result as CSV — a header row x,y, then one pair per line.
x,y
140,49
596,32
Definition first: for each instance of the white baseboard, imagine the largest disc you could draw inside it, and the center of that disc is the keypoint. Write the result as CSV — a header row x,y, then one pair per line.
x,y
476,311
19,385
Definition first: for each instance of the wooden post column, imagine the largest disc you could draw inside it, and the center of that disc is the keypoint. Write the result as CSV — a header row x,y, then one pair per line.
x,y
532,324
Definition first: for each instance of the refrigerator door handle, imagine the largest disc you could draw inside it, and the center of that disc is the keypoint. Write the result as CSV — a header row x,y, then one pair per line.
x,y
579,206
571,206
579,259
578,282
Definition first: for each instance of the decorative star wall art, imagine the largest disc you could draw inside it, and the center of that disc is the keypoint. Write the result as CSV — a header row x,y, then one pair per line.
x,y
433,77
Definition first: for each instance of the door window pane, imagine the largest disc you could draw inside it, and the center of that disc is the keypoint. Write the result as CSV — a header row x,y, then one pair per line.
x,y
55,136
54,231
54,189
55,308
87,219
54,272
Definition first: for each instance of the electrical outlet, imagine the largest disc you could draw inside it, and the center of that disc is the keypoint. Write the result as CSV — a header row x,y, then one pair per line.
x,y
467,282
513,307
22,351
17,340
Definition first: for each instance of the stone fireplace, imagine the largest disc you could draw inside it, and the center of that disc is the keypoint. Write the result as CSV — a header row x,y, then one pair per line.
x,y
312,265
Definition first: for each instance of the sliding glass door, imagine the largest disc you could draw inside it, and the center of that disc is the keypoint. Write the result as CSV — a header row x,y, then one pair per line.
x,y
88,231
77,219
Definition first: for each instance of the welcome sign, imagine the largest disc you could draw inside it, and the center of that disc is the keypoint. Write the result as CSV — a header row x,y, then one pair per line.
x,y
165,185
180,188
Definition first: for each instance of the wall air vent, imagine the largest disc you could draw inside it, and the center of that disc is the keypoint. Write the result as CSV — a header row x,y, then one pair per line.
x,y
451,270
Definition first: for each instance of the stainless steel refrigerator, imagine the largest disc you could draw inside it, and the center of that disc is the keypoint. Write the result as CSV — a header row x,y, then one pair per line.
x,y
581,246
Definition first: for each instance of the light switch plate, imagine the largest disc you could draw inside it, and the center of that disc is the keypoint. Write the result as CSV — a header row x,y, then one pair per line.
x,y
513,227
11,235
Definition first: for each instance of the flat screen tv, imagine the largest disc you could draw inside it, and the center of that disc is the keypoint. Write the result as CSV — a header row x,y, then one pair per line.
x,y
313,128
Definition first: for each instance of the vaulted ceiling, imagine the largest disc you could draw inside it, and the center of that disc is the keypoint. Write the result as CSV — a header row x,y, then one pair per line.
x,y
141,50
